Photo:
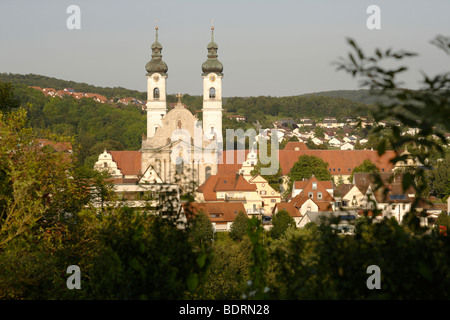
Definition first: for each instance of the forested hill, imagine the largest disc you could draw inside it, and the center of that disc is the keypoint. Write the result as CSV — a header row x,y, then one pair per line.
x,y
58,84
264,109
361,96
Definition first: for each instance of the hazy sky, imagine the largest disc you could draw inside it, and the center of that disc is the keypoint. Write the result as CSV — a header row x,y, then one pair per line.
x,y
276,48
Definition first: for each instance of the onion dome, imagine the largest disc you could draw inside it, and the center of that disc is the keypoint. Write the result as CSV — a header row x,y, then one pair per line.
x,y
212,64
156,65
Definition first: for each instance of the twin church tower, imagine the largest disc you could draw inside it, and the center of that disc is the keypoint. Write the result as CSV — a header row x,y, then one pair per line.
x,y
170,155
212,90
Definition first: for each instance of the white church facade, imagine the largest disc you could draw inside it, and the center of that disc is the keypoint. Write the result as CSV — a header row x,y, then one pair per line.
x,y
178,149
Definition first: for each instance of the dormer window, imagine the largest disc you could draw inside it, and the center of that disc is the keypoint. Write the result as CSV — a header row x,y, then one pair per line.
x,y
314,185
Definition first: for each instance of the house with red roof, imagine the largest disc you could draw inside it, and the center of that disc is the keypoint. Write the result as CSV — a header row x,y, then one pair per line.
x,y
231,188
134,186
313,196
221,214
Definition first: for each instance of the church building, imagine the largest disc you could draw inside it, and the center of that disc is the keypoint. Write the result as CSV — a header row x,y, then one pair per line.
x,y
178,149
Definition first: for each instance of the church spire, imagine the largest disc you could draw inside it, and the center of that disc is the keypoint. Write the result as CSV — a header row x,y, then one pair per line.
x,y
212,64
156,64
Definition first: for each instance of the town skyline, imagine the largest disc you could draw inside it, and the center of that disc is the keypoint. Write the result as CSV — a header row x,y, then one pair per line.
x,y
269,48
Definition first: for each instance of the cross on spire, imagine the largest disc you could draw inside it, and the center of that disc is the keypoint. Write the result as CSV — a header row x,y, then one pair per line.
x,y
179,96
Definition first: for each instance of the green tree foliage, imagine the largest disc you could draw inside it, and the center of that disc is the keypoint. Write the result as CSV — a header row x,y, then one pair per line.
x,y
94,126
228,273
143,257
275,180
7,99
365,166
281,222
443,220
440,178
426,109
319,264
238,228
58,84
307,166
201,230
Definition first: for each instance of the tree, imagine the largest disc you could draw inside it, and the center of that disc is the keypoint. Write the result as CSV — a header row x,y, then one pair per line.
x,y
443,219
307,166
275,180
143,258
7,99
365,166
228,273
425,109
319,132
440,178
281,221
201,231
238,228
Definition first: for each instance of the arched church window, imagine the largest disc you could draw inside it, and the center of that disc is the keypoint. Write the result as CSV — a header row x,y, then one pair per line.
x,y
179,124
156,93
212,93
179,165
207,172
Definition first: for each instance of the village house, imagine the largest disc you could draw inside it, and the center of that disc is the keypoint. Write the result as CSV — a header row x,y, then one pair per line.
x,y
348,146
289,208
313,195
335,142
238,118
231,188
221,214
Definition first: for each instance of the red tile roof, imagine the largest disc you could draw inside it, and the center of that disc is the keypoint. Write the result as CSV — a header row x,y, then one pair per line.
x,y
129,162
223,211
340,162
324,203
289,207
58,146
291,145
224,182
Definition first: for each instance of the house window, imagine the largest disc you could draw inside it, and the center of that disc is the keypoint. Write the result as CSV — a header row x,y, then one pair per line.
x,y
319,195
212,129
273,200
310,194
308,209
393,207
156,93
212,93
263,192
403,207
105,164
314,185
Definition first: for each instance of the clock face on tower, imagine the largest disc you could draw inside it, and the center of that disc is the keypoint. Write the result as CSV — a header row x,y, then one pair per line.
x,y
212,78
156,78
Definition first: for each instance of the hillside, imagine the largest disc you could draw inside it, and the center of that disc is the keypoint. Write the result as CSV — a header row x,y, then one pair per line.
x,y
58,84
330,103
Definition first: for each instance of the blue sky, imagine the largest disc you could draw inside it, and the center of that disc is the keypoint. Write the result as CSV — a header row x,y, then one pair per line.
x,y
276,48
